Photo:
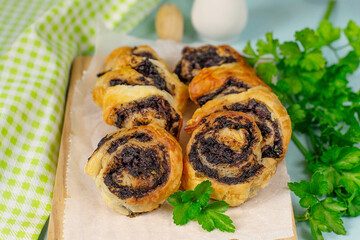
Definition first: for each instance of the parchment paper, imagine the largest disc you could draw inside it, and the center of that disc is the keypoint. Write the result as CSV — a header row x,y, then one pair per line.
x,y
266,216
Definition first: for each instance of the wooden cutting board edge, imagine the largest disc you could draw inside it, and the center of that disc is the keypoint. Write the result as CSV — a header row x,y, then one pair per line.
x,y
56,224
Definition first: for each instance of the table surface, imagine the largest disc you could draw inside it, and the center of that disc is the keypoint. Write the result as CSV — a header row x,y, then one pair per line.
x,y
283,18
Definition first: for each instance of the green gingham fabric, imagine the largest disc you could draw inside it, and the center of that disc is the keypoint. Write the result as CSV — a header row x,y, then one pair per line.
x,y
38,41
15,16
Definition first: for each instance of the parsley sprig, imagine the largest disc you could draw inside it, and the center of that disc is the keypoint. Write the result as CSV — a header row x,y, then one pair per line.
x,y
310,76
193,205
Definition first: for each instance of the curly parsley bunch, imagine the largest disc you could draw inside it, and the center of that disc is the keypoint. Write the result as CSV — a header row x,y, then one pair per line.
x,y
310,76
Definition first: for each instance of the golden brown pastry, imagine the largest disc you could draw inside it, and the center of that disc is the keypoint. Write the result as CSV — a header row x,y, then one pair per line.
x,y
226,149
136,169
134,70
266,109
218,81
141,51
195,59
130,106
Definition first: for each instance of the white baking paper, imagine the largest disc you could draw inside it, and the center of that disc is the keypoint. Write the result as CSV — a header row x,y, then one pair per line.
x,y
266,216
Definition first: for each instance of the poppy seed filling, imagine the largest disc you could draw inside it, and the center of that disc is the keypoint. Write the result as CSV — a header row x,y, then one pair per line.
x,y
205,146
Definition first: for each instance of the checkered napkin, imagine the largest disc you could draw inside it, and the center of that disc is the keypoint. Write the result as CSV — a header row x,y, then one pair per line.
x,y
34,68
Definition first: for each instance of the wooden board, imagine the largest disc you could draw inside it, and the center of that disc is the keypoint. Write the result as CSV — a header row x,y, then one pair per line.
x,y
58,205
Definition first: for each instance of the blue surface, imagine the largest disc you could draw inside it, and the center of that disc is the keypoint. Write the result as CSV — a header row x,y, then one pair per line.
x,y
283,18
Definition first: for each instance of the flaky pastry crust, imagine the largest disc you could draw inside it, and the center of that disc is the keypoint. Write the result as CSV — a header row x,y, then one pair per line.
x,y
139,182
135,70
195,59
141,51
226,150
129,106
259,94
218,81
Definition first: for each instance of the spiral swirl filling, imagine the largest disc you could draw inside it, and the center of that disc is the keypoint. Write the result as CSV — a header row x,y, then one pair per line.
x,y
142,111
136,52
269,128
147,69
150,77
136,169
200,58
225,159
231,86
141,53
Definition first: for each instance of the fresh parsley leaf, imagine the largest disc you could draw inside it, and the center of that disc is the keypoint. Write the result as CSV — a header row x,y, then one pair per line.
x,y
315,90
351,200
318,185
312,76
351,179
327,32
308,39
352,135
325,216
193,204
269,46
300,189
336,162
349,158
295,86
249,51
188,196
353,205
297,113
331,204
253,57
266,70
218,206
175,199
291,52
211,217
308,201
350,62
200,194
313,61
203,192
183,211
307,191
316,228
331,176
342,158
330,220
352,31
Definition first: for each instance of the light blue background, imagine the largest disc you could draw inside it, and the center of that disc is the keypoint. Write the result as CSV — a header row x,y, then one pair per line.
x,y
283,18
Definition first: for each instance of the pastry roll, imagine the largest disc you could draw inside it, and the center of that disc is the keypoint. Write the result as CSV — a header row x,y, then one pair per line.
x,y
226,149
130,106
266,109
218,81
136,169
195,59
141,51
133,70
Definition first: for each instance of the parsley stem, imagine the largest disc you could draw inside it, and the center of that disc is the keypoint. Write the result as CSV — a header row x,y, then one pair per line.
x,y
313,141
335,52
301,147
266,58
329,9
341,47
317,148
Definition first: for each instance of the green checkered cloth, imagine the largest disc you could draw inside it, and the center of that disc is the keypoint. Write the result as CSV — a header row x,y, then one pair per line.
x,y
38,40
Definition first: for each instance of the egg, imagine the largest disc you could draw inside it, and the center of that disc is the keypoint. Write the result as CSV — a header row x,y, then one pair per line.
x,y
216,20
